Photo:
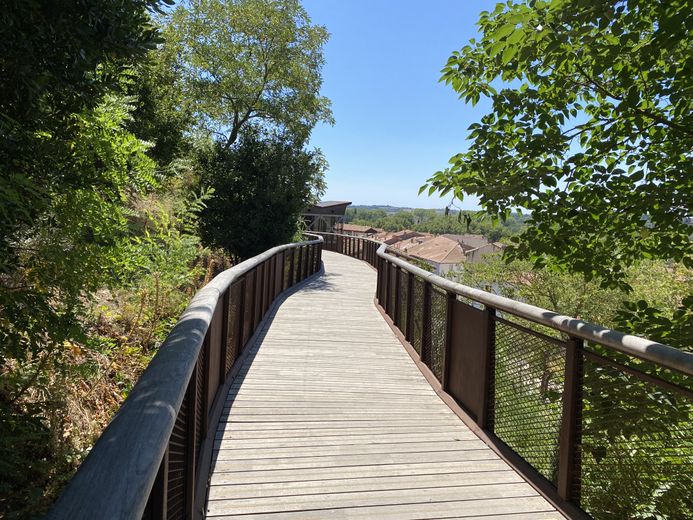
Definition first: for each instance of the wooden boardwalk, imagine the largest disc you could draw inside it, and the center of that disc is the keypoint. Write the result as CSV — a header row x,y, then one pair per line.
x,y
330,418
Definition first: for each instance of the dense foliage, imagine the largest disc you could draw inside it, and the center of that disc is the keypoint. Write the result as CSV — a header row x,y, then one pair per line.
x,y
261,187
101,188
250,62
661,283
590,131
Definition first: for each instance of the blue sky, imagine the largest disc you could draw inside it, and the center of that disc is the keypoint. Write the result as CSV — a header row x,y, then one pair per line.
x,y
395,123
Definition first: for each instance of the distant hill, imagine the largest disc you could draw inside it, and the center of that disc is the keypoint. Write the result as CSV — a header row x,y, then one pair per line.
x,y
389,209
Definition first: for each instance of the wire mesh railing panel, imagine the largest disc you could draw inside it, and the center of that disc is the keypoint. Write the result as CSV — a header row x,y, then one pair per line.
x,y
637,446
233,328
392,290
417,314
438,325
177,463
426,326
529,381
403,299
287,269
298,256
199,394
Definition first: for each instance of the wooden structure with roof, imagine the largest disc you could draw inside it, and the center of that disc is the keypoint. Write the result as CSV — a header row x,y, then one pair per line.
x,y
326,216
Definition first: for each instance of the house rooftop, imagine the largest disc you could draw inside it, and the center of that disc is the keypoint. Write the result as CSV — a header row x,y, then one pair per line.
x,y
355,228
330,203
468,240
441,250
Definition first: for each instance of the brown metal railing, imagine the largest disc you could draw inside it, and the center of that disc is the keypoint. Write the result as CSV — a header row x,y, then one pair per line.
x,y
153,459
599,421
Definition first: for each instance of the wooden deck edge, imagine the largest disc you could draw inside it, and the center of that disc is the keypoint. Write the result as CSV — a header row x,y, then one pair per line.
x,y
207,447
544,487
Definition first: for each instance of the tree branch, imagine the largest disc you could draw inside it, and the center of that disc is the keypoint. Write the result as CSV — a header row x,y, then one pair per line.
x,y
647,113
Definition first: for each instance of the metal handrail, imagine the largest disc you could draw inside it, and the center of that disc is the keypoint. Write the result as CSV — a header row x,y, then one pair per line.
x,y
642,348
665,355
116,478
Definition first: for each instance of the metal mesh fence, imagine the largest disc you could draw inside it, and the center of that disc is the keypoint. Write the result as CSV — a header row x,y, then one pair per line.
x,y
438,322
287,269
392,290
177,462
298,257
637,446
200,396
403,297
417,314
232,327
529,373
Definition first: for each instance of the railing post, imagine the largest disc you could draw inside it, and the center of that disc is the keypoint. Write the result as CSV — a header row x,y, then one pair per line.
x,y
449,310
485,419
571,427
291,267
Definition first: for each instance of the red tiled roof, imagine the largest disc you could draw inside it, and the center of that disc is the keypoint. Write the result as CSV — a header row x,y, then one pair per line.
x,y
440,250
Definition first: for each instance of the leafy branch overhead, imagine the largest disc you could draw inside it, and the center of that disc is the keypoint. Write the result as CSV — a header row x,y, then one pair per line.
x,y
591,130
250,61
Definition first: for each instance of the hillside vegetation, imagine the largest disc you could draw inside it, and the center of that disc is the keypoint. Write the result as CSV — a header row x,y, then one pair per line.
x,y
124,169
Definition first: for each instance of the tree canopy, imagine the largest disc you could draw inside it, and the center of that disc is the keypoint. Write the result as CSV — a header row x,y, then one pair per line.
x,y
591,130
250,61
261,187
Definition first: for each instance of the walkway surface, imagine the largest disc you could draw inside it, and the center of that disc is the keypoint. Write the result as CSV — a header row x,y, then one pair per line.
x,y
330,418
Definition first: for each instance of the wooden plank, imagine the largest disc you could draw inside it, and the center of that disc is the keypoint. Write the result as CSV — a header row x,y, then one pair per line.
x,y
330,418
373,498
494,509
347,449
350,485
440,469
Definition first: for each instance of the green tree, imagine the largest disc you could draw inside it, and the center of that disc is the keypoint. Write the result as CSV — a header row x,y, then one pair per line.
x,y
162,114
591,130
250,61
56,62
261,187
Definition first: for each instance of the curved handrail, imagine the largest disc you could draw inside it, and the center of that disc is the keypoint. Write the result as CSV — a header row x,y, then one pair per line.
x,y
642,348
134,442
